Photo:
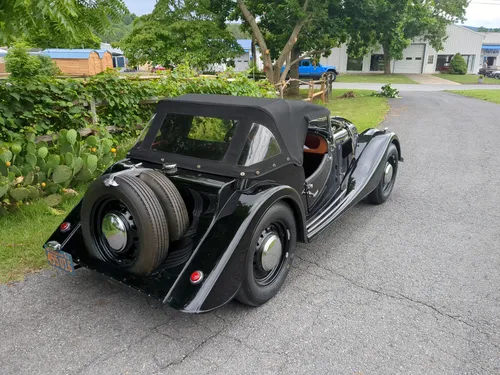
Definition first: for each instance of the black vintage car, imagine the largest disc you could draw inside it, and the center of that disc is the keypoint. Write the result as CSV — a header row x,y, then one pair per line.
x,y
212,199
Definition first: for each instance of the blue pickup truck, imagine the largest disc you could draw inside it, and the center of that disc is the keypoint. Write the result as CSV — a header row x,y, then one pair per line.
x,y
307,69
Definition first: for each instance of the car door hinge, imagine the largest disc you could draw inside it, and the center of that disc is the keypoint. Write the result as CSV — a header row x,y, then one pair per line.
x,y
307,190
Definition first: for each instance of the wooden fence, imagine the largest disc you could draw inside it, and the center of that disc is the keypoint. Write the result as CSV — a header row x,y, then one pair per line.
x,y
324,91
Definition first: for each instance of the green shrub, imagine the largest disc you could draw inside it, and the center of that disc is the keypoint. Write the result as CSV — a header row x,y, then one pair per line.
x,y
42,106
48,67
45,105
458,65
20,64
30,170
388,92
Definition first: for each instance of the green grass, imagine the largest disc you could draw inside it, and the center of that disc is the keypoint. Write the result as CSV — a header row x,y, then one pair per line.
x,y
489,95
467,79
365,111
373,78
24,231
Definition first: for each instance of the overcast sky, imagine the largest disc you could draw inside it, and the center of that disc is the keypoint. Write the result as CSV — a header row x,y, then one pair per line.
x,y
480,12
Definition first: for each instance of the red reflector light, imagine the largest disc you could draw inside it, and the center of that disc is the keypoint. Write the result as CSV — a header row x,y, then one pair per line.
x,y
196,277
64,227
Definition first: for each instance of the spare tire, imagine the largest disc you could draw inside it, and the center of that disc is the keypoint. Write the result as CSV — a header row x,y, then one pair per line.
x,y
124,224
171,201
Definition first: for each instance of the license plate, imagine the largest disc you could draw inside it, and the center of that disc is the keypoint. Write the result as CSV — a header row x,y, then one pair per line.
x,y
60,260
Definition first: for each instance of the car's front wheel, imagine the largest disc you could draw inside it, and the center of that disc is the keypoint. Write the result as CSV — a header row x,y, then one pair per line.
x,y
270,255
386,184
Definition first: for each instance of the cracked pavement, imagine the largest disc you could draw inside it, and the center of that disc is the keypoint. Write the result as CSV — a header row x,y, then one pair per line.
x,y
411,286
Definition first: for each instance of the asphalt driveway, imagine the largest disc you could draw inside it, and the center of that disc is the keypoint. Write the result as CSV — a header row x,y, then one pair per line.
x,y
409,287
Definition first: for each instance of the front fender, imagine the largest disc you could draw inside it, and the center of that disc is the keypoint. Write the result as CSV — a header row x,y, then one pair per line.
x,y
223,252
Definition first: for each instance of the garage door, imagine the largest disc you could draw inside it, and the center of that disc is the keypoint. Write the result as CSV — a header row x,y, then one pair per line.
x,y
413,57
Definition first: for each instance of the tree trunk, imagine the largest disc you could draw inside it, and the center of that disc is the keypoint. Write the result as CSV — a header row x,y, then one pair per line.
x,y
293,87
254,56
266,57
387,59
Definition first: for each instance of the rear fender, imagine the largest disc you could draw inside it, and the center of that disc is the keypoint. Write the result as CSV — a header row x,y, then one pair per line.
x,y
372,150
222,254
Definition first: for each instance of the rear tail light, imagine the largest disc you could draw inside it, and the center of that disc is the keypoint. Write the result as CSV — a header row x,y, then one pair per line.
x,y
64,227
196,277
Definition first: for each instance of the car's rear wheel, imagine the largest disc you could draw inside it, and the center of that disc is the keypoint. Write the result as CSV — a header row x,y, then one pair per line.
x,y
384,189
270,256
123,223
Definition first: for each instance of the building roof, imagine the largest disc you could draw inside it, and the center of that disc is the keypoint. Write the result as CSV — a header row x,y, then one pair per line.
x,y
491,38
246,44
61,53
109,48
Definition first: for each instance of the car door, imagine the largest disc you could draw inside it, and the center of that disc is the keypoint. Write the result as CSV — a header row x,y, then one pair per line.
x,y
315,71
304,68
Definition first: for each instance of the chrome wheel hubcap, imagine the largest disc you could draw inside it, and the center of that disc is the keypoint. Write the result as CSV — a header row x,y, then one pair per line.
x,y
271,252
389,170
115,232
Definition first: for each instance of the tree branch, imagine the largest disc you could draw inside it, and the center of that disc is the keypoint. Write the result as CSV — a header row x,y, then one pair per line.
x,y
291,40
259,37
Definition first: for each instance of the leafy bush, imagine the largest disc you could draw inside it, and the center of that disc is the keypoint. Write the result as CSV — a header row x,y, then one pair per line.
x,y
21,65
46,105
30,170
48,67
388,92
458,65
42,106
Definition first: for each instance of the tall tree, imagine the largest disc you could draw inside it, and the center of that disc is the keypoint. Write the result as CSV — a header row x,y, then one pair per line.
x,y
50,23
392,24
286,30
180,30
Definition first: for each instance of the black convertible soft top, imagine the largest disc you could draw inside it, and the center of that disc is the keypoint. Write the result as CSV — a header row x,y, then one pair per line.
x,y
290,117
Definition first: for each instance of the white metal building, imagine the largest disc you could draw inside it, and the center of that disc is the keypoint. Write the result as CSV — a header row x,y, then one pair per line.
x,y
491,49
418,57
243,62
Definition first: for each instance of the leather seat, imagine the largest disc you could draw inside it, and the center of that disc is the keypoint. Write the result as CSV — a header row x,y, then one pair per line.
x,y
315,144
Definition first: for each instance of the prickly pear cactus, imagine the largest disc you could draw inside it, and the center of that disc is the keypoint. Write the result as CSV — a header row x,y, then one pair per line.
x,y
4,186
77,165
42,152
68,159
92,141
53,200
19,194
16,148
29,178
30,148
5,156
61,174
34,192
91,163
53,161
31,159
84,175
71,136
